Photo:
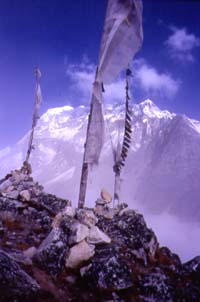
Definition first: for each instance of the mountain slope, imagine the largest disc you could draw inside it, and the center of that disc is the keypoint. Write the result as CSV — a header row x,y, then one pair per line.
x,y
162,168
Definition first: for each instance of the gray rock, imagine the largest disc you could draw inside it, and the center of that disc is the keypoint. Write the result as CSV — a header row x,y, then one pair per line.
x,y
193,266
107,271
13,194
5,184
68,211
155,286
86,217
50,255
15,284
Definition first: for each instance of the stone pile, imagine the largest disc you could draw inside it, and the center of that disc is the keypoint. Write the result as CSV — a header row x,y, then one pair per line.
x,y
52,252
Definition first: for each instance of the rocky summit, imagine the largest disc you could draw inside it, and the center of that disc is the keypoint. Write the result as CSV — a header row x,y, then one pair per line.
x,y
52,252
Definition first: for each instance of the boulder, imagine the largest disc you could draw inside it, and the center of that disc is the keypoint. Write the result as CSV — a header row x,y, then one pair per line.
x,y
155,286
193,266
68,211
5,185
15,284
107,271
79,253
25,195
86,217
50,255
79,232
13,194
96,236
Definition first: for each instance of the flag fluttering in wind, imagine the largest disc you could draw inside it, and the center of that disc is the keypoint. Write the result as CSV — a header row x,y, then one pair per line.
x,y
38,98
38,93
122,38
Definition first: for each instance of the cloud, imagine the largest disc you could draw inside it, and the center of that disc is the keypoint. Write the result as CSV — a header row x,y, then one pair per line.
x,y
155,82
147,78
181,44
82,76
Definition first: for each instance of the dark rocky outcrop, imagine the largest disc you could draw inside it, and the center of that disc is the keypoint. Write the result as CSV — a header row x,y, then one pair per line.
x,y
51,252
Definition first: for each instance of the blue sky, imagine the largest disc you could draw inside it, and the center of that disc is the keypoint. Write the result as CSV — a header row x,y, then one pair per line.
x,y
63,37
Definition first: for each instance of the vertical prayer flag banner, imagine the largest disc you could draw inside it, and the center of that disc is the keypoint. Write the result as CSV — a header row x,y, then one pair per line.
x,y
122,38
38,94
95,133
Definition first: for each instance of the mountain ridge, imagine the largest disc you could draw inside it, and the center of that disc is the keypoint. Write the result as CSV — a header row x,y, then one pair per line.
x,y
162,143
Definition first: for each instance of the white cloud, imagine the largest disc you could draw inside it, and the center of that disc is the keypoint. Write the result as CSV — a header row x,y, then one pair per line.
x,y
153,81
147,78
82,76
181,44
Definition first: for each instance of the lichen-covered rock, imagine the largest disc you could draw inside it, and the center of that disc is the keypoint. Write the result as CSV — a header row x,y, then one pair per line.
x,y
95,255
155,286
108,270
86,217
15,284
131,234
79,253
193,266
50,255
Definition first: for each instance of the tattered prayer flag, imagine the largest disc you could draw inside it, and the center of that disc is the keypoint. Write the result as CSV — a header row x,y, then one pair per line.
x,y
38,95
94,140
122,37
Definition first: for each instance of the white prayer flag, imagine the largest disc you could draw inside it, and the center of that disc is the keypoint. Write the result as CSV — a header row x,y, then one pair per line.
x,y
122,37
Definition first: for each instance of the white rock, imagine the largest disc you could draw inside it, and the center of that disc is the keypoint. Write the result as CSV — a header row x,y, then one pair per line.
x,y
79,253
30,252
25,195
79,233
69,211
106,196
96,236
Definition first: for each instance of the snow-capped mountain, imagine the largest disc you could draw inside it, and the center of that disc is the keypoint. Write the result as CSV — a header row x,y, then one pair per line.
x,y
162,170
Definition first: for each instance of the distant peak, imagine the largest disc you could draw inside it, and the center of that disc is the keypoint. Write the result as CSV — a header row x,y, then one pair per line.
x,y
147,102
149,109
